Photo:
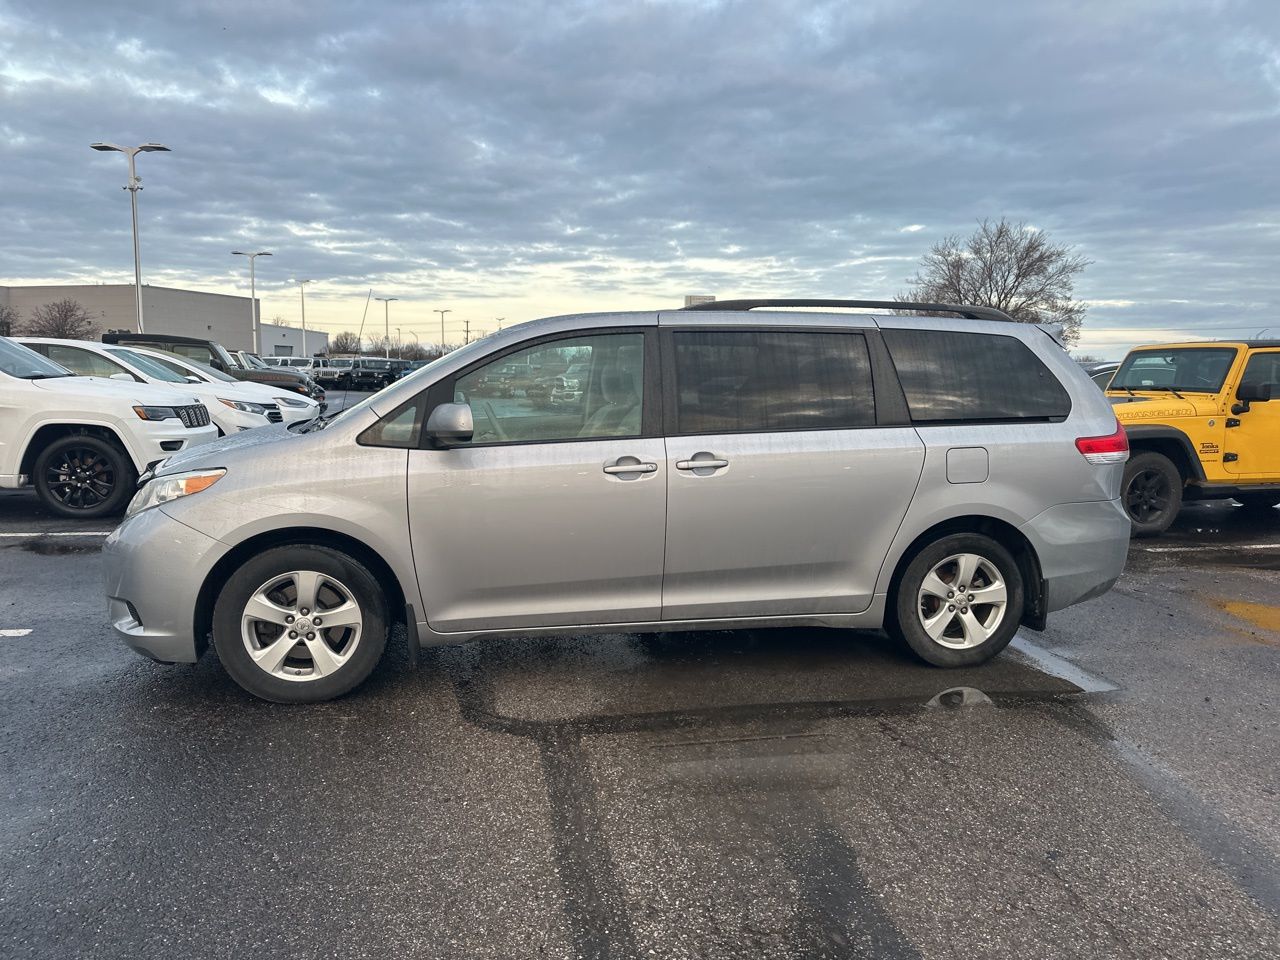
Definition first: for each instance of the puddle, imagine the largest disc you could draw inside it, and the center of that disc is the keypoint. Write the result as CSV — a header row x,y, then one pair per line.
x,y
49,548
1263,615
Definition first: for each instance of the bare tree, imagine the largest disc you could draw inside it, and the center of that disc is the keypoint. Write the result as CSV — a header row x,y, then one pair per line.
x,y
345,342
61,318
1010,266
8,321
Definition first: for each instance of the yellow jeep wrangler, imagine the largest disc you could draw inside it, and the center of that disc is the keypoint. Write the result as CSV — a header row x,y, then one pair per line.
x,y
1200,426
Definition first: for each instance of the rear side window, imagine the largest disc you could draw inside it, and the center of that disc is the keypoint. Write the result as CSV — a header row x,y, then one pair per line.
x,y
757,381
949,377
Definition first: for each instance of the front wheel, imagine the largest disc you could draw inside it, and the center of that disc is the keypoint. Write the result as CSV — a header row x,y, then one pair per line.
x,y
1152,493
84,476
300,624
959,601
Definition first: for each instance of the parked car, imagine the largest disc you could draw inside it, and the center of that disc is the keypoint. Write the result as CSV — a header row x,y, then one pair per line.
x,y
214,354
412,366
229,407
81,441
369,373
335,372
1201,425
292,407
1101,371
945,479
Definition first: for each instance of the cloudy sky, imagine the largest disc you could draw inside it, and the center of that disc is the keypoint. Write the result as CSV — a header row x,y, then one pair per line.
x,y
522,159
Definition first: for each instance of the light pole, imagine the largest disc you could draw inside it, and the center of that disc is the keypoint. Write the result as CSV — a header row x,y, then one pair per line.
x,y
253,291
135,184
399,344
442,313
386,320
302,289
500,319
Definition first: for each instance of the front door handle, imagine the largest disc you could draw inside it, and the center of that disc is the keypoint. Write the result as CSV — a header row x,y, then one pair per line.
x,y
635,466
700,464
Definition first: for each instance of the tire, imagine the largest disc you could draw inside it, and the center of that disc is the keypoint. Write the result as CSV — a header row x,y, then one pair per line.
x,y
320,664
1151,492
972,632
84,477
1258,501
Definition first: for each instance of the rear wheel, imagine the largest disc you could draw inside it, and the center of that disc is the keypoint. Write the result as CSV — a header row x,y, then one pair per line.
x,y
84,476
1152,493
959,601
300,624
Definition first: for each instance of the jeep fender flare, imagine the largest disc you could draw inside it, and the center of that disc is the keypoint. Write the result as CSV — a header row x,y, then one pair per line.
x,y
1146,432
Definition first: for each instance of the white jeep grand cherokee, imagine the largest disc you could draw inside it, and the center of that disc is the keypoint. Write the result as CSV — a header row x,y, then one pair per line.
x,y
82,441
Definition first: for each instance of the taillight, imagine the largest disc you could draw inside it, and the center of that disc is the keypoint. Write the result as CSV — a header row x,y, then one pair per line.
x,y
1113,448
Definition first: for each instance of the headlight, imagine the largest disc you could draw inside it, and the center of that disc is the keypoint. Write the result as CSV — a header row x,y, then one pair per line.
x,y
156,492
301,388
245,406
156,413
292,401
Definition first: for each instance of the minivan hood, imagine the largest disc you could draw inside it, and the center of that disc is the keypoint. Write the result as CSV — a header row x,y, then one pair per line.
x,y
100,388
225,450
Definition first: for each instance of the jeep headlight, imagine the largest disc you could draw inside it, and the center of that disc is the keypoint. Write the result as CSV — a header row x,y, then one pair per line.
x,y
244,406
174,487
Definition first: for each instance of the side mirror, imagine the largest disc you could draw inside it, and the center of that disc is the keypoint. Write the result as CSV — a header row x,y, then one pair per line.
x,y
127,377
1250,393
450,424
192,378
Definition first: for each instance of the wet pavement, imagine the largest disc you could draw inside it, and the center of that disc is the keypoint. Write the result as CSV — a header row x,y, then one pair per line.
x,y
1107,789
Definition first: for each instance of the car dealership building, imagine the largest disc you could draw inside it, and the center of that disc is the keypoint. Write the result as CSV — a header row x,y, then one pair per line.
x,y
189,313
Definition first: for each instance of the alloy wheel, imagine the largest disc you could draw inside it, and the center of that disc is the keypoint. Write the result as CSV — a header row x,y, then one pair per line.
x,y
81,478
962,601
301,626
1147,496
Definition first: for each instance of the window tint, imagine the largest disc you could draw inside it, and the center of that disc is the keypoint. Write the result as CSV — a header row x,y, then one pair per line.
x,y
572,389
949,377
1193,369
764,380
84,363
1264,368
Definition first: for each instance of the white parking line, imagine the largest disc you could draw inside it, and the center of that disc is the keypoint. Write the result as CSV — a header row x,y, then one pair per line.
x,y
14,633
1212,546
1059,666
59,533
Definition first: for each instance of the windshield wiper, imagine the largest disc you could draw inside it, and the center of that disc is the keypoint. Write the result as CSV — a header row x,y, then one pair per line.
x,y
47,376
1167,389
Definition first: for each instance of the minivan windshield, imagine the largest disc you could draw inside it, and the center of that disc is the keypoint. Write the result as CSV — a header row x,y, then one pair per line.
x,y
1190,369
25,364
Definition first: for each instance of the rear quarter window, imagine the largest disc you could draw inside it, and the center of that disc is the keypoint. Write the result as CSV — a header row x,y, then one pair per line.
x,y
963,377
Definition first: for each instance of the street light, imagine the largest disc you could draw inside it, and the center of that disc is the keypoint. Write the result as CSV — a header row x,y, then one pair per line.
x,y
134,185
302,289
399,344
386,320
442,313
500,319
253,291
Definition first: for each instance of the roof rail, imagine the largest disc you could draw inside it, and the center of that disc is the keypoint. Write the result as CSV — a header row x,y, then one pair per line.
x,y
969,313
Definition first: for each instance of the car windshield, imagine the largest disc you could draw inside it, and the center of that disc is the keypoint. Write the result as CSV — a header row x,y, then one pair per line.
x,y
184,365
1190,369
340,363
25,364
152,368
254,362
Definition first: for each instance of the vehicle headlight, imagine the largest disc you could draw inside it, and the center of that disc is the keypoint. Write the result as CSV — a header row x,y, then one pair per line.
x,y
156,492
156,413
244,406
292,401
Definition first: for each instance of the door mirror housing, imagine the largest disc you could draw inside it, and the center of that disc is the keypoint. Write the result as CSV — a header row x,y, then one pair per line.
x,y
128,377
192,378
450,424
1249,393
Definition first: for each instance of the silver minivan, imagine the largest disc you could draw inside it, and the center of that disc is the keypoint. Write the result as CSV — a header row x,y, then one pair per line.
x,y
731,465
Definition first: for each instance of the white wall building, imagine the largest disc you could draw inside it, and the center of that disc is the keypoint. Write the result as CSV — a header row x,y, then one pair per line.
x,y
189,313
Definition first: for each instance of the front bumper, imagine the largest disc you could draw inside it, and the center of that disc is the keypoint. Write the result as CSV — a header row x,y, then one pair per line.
x,y
164,438
1082,549
153,567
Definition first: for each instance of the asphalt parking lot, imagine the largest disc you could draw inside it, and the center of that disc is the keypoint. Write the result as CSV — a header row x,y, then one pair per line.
x,y
1106,789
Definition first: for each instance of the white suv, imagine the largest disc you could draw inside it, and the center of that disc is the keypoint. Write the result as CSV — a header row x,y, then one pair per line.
x,y
82,441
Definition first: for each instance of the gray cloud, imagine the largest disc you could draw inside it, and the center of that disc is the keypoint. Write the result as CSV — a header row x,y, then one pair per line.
x,y
649,149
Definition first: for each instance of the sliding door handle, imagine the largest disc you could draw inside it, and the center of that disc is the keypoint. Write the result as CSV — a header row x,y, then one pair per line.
x,y
700,464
